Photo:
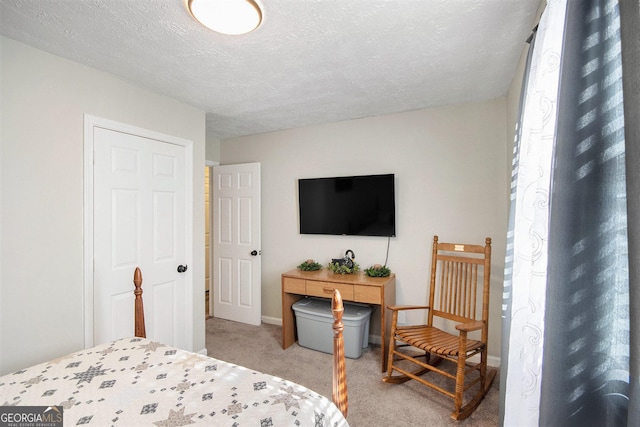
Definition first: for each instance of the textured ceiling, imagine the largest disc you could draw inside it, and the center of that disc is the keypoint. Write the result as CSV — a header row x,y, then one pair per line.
x,y
310,62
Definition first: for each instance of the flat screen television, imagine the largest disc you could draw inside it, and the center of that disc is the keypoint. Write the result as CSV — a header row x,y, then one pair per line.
x,y
348,205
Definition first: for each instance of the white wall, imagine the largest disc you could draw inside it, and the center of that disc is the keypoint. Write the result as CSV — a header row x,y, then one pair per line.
x,y
44,98
212,151
450,173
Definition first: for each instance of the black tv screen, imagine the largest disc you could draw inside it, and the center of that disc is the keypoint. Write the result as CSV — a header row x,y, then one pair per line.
x,y
349,205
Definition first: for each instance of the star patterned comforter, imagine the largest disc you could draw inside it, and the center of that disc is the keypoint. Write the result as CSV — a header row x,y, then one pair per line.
x,y
137,382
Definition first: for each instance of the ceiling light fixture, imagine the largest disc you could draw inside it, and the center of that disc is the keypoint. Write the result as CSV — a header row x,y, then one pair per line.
x,y
227,16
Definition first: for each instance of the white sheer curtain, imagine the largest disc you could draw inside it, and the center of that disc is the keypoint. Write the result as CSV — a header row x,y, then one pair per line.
x,y
526,263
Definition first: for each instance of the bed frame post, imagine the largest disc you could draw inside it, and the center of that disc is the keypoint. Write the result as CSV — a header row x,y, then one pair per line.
x,y
139,309
340,398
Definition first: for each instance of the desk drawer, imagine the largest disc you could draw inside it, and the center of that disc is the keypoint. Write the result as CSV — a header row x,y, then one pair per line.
x,y
325,289
367,294
293,286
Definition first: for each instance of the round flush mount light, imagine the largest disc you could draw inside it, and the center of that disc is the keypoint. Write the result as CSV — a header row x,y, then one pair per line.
x,y
227,16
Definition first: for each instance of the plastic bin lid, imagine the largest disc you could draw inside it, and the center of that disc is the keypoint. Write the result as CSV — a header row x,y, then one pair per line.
x,y
322,307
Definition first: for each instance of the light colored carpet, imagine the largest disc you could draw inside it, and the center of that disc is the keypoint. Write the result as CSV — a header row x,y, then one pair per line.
x,y
371,402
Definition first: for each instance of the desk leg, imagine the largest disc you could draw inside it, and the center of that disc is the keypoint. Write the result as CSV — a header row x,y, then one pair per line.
x,y
384,334
288,318
389,298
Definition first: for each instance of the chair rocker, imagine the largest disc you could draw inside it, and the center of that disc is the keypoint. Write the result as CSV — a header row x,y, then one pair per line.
x,y
458,311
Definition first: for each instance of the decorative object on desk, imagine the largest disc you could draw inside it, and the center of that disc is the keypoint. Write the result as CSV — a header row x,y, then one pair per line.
x,y
310,265
347,260
343,269
345,265
378,270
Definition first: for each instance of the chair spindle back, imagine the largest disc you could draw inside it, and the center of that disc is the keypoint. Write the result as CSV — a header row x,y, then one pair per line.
x,y
458,274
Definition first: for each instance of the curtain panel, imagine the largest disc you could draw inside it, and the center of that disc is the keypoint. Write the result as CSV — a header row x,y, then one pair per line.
x,y
630,42
526,258
585,377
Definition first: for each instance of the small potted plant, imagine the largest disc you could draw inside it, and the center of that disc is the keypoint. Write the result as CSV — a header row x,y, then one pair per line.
x,y
309,265
378,270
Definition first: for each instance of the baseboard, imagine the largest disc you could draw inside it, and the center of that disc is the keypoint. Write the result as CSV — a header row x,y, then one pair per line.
x,y
493,361
272,320
375,339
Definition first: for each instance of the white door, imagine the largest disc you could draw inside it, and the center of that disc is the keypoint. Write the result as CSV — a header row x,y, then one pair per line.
x,y
140,218
236,247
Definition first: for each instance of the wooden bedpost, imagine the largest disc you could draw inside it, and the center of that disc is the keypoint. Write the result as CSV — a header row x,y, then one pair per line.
x,y
139,310
340,398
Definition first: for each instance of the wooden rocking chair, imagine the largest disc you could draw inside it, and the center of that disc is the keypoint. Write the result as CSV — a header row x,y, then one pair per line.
x,y
458,306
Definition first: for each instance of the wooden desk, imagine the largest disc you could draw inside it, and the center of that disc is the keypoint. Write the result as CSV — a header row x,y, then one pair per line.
x,y
296,284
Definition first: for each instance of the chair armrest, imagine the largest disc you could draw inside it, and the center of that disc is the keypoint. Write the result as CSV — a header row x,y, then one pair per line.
x,y
407,307
470,326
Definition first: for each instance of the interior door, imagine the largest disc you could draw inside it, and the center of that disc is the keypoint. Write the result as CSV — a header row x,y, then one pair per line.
x,y
140,215
236,247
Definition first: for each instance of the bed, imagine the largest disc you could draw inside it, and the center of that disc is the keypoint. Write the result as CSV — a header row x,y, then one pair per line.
x,y
137,381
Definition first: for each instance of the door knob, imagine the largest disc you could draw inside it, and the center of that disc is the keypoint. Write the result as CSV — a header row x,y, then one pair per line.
x,y
182,268
254,252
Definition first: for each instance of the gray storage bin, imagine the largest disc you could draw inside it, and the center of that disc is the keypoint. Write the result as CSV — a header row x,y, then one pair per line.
x,y
315,326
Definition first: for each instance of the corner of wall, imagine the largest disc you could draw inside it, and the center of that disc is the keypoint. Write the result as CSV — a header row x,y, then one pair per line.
x,y
212,148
